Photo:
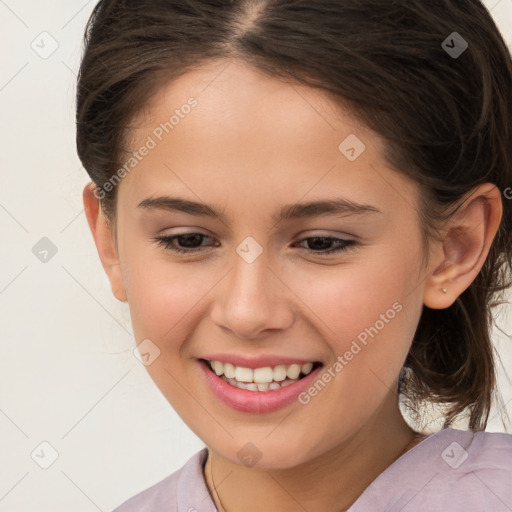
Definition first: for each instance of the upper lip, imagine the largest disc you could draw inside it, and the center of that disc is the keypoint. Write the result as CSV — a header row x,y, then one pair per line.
x,y
260,361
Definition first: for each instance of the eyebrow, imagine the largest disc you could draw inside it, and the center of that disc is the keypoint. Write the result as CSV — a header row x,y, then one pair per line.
x,y
338,206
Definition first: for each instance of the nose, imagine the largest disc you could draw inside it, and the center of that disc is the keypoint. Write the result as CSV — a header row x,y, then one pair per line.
x,y
253,299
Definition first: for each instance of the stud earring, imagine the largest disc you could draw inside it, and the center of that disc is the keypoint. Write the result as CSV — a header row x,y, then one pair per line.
x,y
444,290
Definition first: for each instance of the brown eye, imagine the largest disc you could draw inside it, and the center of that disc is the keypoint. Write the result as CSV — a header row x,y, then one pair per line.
x,y
188,242
320,244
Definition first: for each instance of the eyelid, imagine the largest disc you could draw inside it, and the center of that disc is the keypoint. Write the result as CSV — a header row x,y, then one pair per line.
x,y
344,244
327,234
300,236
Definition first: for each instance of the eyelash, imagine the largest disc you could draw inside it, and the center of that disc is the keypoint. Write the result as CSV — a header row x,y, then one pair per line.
x,y
166,242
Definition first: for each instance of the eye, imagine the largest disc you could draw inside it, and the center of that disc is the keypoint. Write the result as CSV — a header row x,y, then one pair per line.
x,y
318,244
188,242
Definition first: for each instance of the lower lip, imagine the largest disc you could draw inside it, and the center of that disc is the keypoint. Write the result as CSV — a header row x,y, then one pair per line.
x,y
256,401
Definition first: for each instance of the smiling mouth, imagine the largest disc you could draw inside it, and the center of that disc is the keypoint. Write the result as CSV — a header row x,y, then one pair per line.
x,y
261,379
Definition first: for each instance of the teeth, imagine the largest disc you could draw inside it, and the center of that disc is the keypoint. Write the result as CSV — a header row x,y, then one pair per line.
x,y
261,376
252,386
218,367
306,368
280,373
244,374
228,369
293,371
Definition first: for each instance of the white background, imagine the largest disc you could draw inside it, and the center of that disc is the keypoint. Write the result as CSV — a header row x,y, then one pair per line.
x,y
67,373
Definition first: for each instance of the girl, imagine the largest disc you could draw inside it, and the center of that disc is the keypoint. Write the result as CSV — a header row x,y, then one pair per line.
x,y
306,206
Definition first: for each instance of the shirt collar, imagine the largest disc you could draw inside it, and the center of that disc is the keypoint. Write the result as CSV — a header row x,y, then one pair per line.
x,y
192,492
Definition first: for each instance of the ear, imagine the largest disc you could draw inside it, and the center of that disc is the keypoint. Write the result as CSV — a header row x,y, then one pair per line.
x,y
104,240
468,237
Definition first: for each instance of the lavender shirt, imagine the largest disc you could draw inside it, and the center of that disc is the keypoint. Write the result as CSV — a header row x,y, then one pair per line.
x,y
452,470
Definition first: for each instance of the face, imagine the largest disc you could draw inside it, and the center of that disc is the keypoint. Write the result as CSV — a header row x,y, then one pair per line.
x,y
255,284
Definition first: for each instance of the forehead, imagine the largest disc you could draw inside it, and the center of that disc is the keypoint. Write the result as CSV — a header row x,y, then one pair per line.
x,y
238,105
251,134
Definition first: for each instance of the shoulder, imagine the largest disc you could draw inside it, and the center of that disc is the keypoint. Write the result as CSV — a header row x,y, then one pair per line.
x,y
166,494
477,470
452,470
490,450
465,470
160,496
471,453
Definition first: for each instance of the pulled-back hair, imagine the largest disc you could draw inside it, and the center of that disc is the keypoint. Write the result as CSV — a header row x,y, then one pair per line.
x,y
446,121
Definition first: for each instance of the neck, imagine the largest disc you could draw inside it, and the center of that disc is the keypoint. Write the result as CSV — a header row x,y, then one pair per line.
x,y
331,482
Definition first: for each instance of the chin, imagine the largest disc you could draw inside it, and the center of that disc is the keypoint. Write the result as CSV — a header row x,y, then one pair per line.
x,y
264,454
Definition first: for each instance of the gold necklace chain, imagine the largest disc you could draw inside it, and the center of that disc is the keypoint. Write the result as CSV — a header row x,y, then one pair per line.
x,y
215,488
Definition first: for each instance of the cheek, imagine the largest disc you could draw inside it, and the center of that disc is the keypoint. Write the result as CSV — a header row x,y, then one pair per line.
x,y
163,296
368,330
367,311
165,301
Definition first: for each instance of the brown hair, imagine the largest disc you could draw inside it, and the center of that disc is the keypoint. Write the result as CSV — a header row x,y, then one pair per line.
x,y
446,121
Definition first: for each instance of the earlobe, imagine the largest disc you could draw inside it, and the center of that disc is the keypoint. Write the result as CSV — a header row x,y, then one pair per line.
x,y
466,244
103,238
441,290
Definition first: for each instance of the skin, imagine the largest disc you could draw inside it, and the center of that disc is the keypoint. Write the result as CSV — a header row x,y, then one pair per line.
x,y
252,145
